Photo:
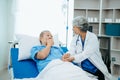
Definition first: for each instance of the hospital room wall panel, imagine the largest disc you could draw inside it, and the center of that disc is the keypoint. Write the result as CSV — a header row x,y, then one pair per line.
x,y
6,31
3,33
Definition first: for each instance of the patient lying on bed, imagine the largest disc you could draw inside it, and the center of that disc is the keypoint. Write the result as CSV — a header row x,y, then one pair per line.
x,y
51,63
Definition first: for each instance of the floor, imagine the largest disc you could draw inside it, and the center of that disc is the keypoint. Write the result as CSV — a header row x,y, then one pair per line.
x,y
4,75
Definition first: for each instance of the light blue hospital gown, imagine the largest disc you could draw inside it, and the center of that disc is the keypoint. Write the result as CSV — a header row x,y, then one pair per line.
x,y
55,53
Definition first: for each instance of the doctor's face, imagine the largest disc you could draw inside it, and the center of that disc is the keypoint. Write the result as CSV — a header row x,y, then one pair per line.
x,y
76,29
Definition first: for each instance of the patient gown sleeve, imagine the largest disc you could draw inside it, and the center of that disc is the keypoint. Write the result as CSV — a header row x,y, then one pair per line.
x,y
34,51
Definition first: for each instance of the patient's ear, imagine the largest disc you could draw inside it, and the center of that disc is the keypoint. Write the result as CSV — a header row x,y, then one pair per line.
x,y
40,40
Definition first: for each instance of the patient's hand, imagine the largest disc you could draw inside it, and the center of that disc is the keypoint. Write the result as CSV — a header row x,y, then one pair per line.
x,y
50,42
66,57
70,59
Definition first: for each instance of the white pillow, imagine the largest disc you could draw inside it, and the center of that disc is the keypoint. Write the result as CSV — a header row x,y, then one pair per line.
x,y
25,43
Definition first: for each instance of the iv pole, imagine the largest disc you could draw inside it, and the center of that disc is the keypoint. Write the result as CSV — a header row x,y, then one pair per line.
x,y
67,23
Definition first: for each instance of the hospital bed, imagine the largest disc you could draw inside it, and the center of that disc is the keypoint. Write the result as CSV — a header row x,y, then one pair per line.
x,y
24,68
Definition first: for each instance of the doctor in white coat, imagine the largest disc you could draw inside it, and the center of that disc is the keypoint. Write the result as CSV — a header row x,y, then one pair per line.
x,y
84,49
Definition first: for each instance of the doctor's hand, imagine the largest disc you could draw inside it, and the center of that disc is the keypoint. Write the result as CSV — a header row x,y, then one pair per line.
x,y
67,57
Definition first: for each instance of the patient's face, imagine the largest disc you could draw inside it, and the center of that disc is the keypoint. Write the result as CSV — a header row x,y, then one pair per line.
x,y
46,36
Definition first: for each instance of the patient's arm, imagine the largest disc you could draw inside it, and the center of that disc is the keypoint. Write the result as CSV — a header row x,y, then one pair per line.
x,y
44,53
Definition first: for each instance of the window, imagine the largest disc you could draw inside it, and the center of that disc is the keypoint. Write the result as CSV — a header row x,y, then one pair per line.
x,y
33,16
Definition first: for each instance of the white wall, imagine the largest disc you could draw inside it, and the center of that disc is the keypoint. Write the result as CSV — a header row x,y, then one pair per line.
x,y
6,31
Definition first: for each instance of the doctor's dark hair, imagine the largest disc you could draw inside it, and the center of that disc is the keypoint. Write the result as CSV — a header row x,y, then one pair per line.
x,y
81,22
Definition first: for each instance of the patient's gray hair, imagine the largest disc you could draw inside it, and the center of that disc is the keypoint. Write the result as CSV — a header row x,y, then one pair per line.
x,y
42,33
81,22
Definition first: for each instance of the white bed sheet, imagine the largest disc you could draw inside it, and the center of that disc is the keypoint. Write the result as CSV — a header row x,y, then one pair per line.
x,y
59,70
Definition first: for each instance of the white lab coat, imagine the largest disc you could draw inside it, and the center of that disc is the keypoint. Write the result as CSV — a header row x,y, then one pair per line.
x,y
91,51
